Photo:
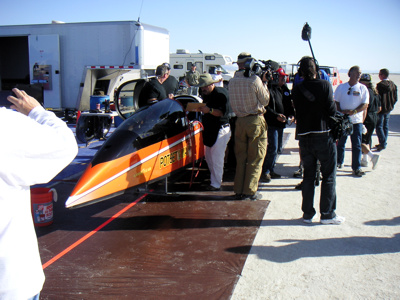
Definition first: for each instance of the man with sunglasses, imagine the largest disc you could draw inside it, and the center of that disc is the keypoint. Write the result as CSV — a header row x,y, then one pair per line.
x,y
352,98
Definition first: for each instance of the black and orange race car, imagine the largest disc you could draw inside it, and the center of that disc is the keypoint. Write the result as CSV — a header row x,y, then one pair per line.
x,y
151,144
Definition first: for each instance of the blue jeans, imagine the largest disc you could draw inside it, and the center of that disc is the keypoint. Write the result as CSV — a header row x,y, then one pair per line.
x,y
356,139
280,139
314,147
272,149
382,129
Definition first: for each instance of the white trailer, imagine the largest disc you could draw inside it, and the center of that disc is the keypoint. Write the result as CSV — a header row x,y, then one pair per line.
x,y
69,62
182,60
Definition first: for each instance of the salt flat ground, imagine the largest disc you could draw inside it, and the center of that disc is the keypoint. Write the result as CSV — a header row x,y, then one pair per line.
x,y
359,259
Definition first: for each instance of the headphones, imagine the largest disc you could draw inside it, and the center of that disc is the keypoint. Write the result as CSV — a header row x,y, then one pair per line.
x,y
315,62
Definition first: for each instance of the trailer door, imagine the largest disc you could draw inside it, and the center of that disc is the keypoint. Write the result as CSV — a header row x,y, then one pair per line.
x,y
44,64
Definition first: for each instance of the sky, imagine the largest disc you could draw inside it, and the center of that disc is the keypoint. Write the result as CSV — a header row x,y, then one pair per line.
x,y
344,33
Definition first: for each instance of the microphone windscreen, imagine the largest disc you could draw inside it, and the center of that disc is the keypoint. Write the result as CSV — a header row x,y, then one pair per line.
x,y
306,32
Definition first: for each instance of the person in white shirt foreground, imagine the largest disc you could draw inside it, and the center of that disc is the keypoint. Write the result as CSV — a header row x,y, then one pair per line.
x,y
36,146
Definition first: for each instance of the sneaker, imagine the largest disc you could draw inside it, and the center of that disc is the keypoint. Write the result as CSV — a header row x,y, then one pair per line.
x,y
298,173
359,173
266,178
256,196
335,221
307,221
275,175
374,161
339,166
364,163
212,188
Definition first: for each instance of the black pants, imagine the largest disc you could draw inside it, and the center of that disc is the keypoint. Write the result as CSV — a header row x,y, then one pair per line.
x,y
314,147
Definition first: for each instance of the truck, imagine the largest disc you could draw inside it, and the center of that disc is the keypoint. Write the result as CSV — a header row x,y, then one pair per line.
x,y
332,72
65,64
182,60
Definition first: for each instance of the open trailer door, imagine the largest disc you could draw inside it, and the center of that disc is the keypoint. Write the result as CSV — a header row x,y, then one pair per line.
x,y
44,64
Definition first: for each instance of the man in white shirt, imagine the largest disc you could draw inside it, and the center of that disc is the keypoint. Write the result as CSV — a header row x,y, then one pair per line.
x,y
352,98
218,77
36,146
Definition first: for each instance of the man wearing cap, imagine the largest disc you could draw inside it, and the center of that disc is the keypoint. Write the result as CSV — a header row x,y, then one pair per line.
x,y
192,79
388,92
153,91
279,109
171,84
216,132
352,98
218,77
248,97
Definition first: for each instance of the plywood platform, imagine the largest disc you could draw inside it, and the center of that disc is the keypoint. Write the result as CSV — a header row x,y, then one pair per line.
x,y
161,247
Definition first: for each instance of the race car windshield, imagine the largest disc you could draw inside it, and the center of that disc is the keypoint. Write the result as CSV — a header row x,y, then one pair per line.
x,y
147,126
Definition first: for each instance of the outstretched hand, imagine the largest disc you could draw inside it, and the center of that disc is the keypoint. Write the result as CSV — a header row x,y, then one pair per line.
x,y
23,102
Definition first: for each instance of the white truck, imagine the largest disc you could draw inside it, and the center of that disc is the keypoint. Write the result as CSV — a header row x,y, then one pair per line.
x,y
182,60
70,62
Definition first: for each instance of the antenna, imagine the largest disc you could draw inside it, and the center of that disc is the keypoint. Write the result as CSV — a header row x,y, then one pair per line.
x,y
140,11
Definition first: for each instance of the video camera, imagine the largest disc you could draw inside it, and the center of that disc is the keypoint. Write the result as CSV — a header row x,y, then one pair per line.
x,y
260,67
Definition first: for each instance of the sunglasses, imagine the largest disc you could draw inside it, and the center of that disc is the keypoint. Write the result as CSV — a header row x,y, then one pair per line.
x,y
348,92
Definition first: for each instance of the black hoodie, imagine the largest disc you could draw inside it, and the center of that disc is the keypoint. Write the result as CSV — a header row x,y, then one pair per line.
x,y
388,92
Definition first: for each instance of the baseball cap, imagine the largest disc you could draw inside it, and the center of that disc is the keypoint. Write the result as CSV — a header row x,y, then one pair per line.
x,y
167,65
365,77
281,72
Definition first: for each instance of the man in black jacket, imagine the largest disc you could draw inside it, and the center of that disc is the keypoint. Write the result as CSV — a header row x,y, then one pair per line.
x,y
388,92
313,101
279,110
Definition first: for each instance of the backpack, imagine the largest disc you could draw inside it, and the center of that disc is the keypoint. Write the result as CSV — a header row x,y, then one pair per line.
x,y
340,124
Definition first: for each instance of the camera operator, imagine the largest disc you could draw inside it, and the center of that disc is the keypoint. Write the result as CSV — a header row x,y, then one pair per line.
x,y
279,110
248,97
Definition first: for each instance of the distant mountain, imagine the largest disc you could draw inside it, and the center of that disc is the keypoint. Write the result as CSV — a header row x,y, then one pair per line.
x,y
370,71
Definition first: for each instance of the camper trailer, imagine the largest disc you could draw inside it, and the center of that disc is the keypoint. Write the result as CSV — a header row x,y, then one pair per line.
x,y
182,60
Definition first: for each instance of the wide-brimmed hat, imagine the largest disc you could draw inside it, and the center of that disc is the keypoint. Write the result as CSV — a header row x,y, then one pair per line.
x,y
205,79
243,57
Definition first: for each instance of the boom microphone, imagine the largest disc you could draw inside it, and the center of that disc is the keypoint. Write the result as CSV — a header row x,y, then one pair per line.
x,y
306,32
